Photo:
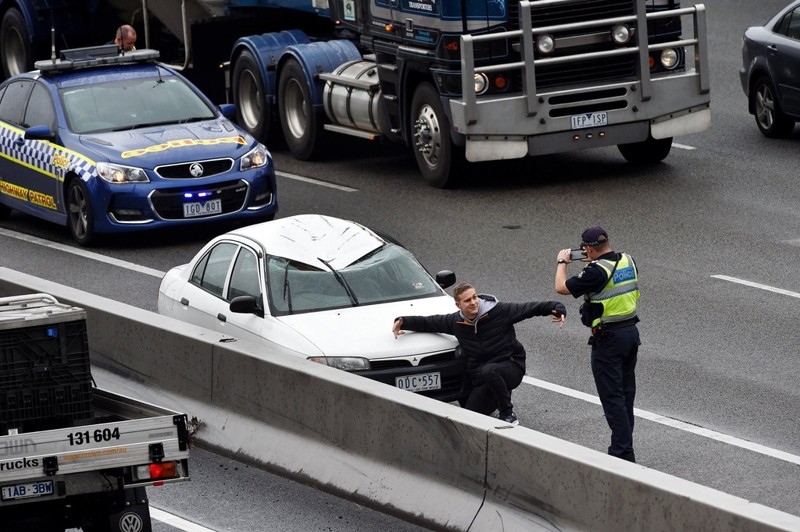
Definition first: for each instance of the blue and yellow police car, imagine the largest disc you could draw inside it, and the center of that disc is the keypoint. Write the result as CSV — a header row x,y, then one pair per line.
x,y
104,142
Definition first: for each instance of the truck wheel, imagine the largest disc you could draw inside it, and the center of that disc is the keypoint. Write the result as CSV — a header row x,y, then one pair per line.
x,y
769,117
79,213
649,151
438,159
14,51
300,123
252,112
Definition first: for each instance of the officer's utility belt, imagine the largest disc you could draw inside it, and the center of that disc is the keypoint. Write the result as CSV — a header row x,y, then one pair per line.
x,y
607,326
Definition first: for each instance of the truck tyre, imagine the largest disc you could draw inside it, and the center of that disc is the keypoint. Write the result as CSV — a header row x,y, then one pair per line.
x,y
650,151
769,117
301,125
438,159
14,44
79,213
252,111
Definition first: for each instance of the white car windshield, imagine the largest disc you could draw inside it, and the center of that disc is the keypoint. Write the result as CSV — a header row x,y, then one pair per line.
x,y
121,105
390,273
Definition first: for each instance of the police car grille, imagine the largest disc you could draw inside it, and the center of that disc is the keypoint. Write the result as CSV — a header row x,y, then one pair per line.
x,y
168,203
184,170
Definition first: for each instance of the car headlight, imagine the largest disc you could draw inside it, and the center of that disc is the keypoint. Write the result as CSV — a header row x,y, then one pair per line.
x,y
116,173
343,363
669,58
255,158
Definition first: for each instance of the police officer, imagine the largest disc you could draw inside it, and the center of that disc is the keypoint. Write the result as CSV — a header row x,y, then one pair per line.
x,y
610,290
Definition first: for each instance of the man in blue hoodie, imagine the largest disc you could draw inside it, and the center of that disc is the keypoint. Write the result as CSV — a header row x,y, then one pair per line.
x,y
484,328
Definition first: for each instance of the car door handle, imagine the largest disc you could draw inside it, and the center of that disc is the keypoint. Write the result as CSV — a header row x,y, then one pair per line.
x,y
772,49
221,317
184,302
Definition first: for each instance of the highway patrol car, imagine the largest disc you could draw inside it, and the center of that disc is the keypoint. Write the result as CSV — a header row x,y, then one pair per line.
x,y
103,142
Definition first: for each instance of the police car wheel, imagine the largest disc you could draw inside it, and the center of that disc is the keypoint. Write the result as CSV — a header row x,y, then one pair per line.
x,y
79,213
439,161
300,123
769,118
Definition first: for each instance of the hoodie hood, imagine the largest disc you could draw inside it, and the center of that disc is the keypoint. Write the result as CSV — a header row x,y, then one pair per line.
x,y
486,302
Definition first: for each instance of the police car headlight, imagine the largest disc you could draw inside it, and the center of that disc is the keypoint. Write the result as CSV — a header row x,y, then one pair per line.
x,y
255,158
343,363
116,173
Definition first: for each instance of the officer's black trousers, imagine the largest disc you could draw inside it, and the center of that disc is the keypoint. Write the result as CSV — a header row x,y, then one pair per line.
x,y
614,354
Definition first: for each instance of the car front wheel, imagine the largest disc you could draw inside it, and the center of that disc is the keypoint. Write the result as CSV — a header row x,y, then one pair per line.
x,y
769,117
79,212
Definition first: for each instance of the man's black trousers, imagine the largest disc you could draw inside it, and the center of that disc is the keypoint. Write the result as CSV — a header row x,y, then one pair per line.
x,y
492,385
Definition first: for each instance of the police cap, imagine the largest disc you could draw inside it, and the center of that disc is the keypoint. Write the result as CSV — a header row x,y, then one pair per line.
x,y
594,236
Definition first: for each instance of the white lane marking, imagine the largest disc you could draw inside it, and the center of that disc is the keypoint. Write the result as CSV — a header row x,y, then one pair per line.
x,y
177,522
315,182
757,285
671,422
83,253
683,146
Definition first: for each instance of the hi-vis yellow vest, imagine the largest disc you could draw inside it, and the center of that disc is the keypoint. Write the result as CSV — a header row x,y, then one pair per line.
x,y
621,292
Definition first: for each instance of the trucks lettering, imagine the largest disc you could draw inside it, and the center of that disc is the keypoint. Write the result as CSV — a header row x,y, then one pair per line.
x,y
182,143
22,463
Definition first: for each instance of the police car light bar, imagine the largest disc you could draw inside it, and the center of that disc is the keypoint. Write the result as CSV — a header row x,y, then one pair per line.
x,y
75,58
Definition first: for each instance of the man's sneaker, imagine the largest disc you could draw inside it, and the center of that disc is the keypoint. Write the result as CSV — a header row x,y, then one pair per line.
x,y
511,417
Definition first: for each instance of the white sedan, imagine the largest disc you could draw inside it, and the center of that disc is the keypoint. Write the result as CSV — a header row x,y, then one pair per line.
x,y
327,289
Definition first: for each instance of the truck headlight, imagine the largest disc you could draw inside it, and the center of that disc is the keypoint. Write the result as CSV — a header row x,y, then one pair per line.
x,y
255,158
621,34
669,58
116,173
545,44
481,83
343,363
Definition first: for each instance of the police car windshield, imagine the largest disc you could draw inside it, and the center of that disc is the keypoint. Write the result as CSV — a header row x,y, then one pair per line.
x,y
132,103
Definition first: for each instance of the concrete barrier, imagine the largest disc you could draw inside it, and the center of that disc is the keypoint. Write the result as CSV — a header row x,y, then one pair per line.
x,y
426,461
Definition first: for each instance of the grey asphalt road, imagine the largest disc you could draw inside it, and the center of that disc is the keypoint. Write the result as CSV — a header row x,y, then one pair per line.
x,y
718,373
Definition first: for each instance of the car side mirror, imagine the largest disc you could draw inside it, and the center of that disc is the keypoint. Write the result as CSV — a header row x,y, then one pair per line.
x,y
445,278
39,133
228,110
246,305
